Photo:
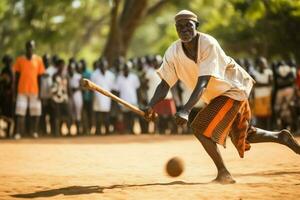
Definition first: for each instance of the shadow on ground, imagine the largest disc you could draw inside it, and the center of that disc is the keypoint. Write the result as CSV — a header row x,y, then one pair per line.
x,y
78,190
269,173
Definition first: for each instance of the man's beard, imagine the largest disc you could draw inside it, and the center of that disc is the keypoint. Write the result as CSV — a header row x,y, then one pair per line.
x,y
189,39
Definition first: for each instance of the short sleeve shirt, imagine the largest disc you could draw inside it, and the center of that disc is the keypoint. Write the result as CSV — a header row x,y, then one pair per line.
x,y
227,77
127,86
29,71
106,81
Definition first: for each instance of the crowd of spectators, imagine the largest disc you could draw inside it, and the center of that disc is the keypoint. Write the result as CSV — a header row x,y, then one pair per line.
x,y
41,96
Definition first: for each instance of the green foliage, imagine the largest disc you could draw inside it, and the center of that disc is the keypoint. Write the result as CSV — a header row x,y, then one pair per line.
x,y
80,27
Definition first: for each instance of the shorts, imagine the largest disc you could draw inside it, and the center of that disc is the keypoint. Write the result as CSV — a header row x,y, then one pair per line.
x,y
224,116
31,100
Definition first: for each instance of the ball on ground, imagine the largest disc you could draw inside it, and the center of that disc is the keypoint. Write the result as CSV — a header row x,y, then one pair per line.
x,y
174,167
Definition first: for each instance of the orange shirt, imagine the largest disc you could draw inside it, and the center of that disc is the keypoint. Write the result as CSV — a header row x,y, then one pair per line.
x,y
29,71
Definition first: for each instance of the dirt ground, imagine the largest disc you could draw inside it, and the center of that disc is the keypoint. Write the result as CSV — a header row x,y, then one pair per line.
x,y
132,167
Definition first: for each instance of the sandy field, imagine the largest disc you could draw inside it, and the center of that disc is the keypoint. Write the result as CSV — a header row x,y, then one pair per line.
x,y
132,167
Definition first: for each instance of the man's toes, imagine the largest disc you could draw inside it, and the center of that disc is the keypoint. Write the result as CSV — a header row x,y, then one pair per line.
x,y
287,138
224,179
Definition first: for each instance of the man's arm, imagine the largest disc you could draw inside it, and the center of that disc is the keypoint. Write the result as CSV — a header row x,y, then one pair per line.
x,y
17,78
183,114
40,85
160,93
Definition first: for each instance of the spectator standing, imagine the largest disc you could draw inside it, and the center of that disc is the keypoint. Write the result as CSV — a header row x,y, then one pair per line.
x,y
285,80
141,66
7,94
59,97
115,114
87,101
45,93
298,77
295,105
76,96
28,69
127,84
262,93
102,104
166,108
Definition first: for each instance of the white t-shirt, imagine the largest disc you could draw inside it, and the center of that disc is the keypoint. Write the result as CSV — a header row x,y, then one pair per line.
x,y
262,77
127,86
153,81
47,82
75,80
102,103
228,78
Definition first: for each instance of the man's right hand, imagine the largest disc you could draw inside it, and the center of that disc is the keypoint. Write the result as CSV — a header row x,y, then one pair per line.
x,y
150,114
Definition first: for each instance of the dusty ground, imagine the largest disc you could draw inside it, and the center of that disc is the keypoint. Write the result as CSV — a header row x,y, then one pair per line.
x,y
132,167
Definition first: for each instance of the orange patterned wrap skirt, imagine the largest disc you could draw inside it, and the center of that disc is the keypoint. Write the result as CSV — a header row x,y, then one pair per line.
x,y
224,117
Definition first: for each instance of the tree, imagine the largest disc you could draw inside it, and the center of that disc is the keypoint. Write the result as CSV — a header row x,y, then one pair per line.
x,y
123,25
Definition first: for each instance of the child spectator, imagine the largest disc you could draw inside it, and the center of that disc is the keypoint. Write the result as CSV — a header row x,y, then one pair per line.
x,y
59,91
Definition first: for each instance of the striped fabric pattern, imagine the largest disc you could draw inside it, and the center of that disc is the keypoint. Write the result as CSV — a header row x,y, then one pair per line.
x,y
222,117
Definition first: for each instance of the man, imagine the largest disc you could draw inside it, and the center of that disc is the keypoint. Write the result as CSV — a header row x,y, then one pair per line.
x,y
199,62
87,100
76,95
166,108
115,113
127,84
102,104
7,94
284,83
45,93
28,69
140,68
262,110
60,98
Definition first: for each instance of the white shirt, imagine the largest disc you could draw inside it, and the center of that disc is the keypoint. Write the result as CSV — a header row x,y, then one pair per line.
x,y
127,86
228,78
262,77
47,82
75,80
51,70
153,81
102,103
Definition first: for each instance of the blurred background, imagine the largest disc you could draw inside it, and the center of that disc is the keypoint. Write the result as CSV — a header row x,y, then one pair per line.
x,y
108,41
90,28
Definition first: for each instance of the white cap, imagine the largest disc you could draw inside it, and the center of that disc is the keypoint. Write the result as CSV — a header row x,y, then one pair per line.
x,y
186,14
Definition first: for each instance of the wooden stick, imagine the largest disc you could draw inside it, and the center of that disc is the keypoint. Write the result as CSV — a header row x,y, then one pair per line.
x,y
85,83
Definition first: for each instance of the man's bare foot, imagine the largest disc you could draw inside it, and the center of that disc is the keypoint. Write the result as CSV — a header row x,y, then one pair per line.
x,y
224,177
287,139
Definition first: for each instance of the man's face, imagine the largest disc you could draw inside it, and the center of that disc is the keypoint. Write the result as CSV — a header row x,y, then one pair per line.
x,y
126,71
186,29
30,46
103,66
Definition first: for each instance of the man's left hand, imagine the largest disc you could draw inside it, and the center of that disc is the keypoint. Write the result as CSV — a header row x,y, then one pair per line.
x,y
181,117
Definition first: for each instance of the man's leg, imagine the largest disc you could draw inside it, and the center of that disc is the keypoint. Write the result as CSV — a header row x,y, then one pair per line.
x,y
282,137
35,126
98,123
20,127
211,148
35,111
101,123
21,109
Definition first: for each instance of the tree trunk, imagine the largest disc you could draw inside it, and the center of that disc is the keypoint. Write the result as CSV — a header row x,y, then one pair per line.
x,y
113,44
122,27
